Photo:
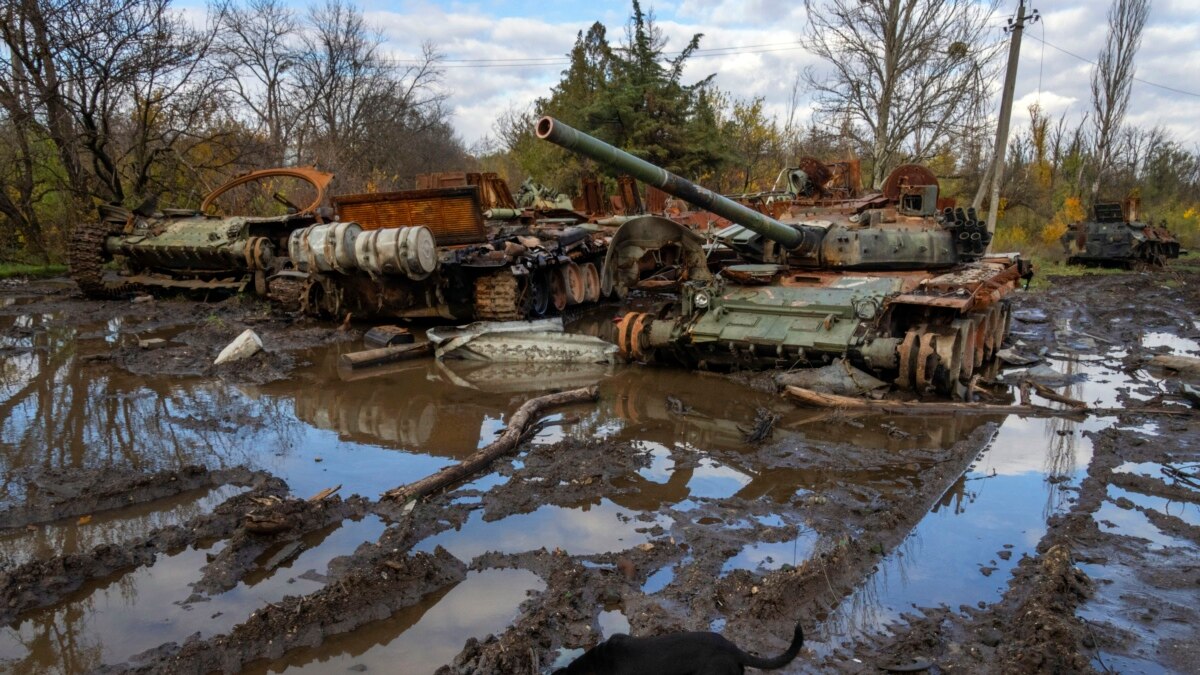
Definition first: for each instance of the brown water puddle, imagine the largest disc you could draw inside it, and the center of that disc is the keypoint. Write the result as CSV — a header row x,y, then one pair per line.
x,y
320,428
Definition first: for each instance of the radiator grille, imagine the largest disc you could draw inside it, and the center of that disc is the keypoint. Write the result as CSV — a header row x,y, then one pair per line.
x,y
452,214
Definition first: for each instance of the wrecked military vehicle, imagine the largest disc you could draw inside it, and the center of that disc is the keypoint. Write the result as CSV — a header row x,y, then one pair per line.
x,y
1114,237
458,248
902,289
186,249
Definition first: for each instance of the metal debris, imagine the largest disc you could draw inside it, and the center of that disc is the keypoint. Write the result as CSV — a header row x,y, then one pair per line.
x,y
520,342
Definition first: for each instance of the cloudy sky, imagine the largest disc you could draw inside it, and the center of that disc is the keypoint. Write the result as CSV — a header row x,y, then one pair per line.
x,y
510,52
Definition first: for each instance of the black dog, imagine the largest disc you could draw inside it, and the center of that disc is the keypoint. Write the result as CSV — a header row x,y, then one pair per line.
x,y
675,654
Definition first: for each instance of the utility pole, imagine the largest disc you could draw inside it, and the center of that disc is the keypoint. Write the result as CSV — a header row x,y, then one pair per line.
x,y
1006,101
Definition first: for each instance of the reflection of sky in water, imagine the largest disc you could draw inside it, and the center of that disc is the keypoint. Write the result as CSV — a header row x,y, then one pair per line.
x,y
659,579
709,479
1134,523
715,481
1005,499
141,609
661,464
1188,512
1173,342
414,642
766,556
612,622
580,531
360,468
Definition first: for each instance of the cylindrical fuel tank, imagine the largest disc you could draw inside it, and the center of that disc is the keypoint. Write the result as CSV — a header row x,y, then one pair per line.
x,y
409,251
324,248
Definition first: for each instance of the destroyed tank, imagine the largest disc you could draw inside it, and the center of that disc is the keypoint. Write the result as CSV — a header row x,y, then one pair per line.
x,y
186,249
458,248
894,285
1115,238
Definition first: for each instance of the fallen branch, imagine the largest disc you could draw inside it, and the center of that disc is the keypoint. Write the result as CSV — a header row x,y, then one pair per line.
x,y
814,399
1048,393
383,355
512,435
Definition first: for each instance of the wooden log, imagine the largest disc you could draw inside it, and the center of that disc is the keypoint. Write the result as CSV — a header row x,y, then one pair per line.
x,y
815,399
520,421
378,357
1050,394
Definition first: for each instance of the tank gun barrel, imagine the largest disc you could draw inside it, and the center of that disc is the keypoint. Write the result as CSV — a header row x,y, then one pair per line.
x,y
564,136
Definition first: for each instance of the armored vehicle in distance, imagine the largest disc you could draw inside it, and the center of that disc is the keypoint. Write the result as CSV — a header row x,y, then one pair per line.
x,y
1115,238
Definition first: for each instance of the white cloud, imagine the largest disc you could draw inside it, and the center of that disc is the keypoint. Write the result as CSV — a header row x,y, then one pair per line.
x,y
523,29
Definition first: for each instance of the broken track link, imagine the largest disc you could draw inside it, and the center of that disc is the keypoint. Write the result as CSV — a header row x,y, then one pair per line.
x,y
500,297
87,257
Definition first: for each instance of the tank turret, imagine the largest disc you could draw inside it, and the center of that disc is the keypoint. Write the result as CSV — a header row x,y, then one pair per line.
x,y
900,229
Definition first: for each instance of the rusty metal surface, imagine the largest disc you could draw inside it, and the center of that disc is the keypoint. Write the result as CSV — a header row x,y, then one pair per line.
x,y
904,176
631,199
319,180
592,200
453,214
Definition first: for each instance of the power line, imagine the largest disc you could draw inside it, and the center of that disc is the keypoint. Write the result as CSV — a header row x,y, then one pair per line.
x,y
548,61
675,53
1087,60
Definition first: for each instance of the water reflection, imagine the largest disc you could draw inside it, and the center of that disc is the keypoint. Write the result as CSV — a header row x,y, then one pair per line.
x,y
420,638
58,411
586,530
112,620
109,527
975,533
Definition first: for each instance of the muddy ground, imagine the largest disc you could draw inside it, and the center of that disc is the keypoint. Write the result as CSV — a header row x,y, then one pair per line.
x,y
901,544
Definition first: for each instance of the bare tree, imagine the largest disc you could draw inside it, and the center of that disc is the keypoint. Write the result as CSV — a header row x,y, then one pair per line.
x,y
906,74
1112,78
117,86
364,107
259,51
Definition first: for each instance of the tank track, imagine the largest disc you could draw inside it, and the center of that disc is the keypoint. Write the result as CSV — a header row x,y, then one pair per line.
x,y
86,256
498,298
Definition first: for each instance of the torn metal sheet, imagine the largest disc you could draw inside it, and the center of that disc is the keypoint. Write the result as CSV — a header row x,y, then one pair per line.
x,y
1014,357
520,342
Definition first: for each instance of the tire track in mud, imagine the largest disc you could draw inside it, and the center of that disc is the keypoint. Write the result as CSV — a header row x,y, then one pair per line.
x,y
52,495
41,583
372,584
760,610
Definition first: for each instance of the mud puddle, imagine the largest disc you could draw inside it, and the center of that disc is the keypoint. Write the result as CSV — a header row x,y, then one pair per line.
x,y
77,535
113,620
421,638
646,513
